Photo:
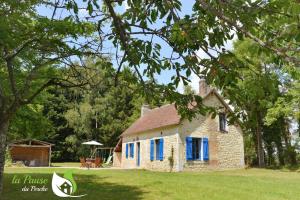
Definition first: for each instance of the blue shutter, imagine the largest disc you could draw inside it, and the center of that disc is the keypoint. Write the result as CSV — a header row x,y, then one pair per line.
x,y
151,150
205,149
200,150
126,150
189,148
161,149
133,150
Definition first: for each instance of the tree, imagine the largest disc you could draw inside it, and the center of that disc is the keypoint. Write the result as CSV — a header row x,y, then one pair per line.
x,y
257,91
288,104
139,32
30,123
188,90
32,47
258,86
208,27
56,103
100,112
104,111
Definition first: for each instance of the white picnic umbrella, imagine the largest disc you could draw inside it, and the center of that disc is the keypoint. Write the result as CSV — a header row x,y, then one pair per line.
x,y
92,143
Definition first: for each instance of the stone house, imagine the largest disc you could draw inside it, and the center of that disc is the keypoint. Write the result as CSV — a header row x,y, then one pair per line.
x,y
161,140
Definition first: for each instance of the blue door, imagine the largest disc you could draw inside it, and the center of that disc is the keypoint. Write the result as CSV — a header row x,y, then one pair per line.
x,y
138,154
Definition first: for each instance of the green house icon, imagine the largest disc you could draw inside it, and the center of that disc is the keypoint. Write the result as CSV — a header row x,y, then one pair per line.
x,y
66,188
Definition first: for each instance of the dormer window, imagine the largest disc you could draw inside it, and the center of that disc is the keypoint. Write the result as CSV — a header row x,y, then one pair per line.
x,y
223,122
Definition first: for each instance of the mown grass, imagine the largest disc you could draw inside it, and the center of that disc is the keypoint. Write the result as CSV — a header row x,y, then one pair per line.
x,y
66,164
139,184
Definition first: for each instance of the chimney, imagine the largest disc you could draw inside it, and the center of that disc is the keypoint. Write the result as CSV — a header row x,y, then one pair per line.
x,y
145,109
204,89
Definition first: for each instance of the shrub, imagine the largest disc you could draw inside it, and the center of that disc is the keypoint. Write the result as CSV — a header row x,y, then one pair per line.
x,y
8,160
171,159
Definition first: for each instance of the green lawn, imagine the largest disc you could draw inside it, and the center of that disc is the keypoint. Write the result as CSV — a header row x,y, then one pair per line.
x,y
66,164
252,184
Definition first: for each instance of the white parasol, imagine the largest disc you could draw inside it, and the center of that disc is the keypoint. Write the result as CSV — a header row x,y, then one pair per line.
x,y
92,142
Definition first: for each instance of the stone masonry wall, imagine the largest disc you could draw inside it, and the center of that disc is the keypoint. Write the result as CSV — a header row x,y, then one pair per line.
x,y
169,135
226,150
117,159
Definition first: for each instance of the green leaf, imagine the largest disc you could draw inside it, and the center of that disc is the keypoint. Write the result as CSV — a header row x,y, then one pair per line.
x,y
90,8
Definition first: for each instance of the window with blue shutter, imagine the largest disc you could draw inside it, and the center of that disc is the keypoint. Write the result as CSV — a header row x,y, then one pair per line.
x,y
131,147
197,148
126,150
205,149
151,150
189,148
161,149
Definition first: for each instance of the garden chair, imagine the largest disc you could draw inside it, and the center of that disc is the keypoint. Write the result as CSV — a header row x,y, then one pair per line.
x,y
82,162
97,163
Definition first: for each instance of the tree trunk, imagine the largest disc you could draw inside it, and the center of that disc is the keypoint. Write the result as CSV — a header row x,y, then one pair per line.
x,y
260,150
280,152
290,151
4,123
270,158
299,127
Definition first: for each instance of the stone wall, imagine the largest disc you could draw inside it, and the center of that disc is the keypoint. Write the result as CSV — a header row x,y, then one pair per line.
x,y
169,135
117,159
226,149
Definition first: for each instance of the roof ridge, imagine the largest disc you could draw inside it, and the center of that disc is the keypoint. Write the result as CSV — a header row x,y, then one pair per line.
x,y
162,106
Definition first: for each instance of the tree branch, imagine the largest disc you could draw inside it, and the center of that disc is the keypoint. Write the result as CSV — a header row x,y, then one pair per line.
x,y
11,78
120,30
52,82
119,68
234,24
20,48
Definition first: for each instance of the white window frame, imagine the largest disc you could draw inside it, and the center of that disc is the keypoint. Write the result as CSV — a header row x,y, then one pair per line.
x,y
226,128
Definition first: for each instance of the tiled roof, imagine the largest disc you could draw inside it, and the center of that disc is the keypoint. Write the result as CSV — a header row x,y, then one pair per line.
x,y
163,116
158,117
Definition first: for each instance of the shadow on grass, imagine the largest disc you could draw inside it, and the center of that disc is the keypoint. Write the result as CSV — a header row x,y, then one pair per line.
x,y
291,168
96,187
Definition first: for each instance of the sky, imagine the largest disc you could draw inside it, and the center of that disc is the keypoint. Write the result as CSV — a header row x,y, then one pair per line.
x,y
165,76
